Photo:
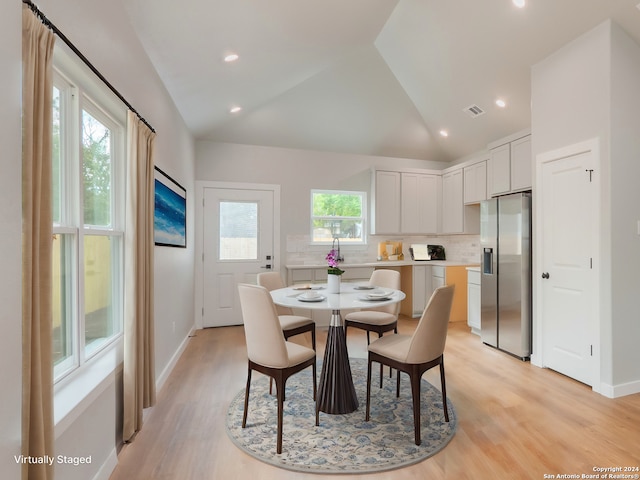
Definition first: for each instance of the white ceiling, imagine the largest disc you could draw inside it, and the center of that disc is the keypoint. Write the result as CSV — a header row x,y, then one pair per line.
x,y
374,77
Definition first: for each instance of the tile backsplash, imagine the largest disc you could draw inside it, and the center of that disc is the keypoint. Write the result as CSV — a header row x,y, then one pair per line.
x,y
459,248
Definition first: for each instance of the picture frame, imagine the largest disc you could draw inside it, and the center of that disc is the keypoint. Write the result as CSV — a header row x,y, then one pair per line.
x,y
170,211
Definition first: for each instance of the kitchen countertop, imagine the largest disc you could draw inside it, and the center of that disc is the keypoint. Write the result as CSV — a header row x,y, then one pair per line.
x,y
387,263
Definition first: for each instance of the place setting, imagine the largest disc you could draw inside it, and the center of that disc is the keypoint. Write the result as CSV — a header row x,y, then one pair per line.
x,y
310,296
378,295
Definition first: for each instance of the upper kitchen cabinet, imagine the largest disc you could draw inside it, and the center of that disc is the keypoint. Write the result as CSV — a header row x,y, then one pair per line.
x,y
385,203
475,183
509,167
452,202
405,202
456,216
419,203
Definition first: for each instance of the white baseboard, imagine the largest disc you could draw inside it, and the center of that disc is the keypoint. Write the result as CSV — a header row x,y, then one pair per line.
x,y
620,390
107,468
174,359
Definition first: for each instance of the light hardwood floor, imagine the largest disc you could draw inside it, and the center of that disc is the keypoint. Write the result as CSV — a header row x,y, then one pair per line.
x,y
515,421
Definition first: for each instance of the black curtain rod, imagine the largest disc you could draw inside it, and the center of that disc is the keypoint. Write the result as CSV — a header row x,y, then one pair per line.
x,y
62,36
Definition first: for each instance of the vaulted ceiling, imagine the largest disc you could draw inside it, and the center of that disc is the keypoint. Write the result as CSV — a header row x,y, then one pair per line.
x,y
373,77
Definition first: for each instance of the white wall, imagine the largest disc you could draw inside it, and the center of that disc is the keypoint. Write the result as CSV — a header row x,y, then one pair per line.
x,y
10,240
102,33
586,90
297,172
625,208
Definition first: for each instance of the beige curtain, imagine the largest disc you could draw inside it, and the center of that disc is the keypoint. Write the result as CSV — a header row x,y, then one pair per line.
x,y
37,364
139,377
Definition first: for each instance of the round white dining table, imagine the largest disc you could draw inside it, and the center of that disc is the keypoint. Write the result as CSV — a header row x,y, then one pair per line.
x,y
336,393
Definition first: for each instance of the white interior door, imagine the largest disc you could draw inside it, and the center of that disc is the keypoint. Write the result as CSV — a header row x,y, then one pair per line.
x,y
238,243
568,280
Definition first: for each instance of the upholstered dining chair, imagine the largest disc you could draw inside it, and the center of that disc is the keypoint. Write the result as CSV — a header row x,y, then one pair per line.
x,y
417,353
377,319
291,324
267,350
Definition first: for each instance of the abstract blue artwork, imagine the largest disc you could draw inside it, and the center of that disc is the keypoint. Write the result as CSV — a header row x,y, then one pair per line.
x,y
170,214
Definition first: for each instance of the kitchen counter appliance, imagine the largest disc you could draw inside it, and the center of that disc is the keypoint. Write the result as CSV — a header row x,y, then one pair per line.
x,y
424,253
505,280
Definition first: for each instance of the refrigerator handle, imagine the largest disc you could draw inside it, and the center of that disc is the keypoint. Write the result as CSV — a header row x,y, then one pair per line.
x,y
487,261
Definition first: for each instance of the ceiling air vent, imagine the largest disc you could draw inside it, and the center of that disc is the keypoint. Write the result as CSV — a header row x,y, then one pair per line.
x,y
473,111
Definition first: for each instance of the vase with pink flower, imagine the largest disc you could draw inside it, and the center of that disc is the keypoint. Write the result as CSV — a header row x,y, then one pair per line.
x,y
333,272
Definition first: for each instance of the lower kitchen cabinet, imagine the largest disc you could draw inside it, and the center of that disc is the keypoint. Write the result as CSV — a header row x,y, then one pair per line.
x,y
419,282
473,300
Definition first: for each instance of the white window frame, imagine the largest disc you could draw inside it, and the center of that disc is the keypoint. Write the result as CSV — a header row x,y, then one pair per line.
x,y
362,219
84,92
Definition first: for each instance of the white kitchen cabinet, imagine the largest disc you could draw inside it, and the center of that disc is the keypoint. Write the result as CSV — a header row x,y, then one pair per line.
x,y
419,203
421,288
510,166
405,202
473,300
385,205
438,277
453,202
475,183
499,171
521,165
456,216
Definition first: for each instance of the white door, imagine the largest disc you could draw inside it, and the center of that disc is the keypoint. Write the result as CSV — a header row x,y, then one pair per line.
x,y
238,243
568,280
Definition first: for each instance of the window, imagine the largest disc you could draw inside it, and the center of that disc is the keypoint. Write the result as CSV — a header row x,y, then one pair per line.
x,y
338,214
238,231
88,223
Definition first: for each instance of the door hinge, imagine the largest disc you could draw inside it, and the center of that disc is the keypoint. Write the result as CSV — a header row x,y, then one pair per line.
x,y
591,350
203,201
203,311
591,263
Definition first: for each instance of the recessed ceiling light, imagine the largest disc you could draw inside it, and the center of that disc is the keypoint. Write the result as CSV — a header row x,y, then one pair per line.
x,y
519,3
444,133
501,103
232,57
235,109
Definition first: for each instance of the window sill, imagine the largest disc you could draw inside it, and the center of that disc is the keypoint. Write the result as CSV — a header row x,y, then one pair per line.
x,y
75,393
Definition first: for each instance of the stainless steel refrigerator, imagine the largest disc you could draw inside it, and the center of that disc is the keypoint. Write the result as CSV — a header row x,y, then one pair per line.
x,y
505,238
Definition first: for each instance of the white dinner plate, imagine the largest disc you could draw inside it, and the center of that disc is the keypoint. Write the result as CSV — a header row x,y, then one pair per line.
x,y
367,298
363,287
380,294
319,298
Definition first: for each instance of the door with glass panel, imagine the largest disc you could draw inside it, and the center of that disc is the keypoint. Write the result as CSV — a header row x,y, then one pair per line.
x,y
238,243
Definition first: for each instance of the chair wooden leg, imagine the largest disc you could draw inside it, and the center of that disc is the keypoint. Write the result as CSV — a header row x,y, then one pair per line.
x,y
313,338
444,391
415,394
315,394
379,336
366,417
246,398
280,396
398,384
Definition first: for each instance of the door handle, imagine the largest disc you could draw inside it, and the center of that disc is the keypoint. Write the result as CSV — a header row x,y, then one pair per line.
x,y
545,275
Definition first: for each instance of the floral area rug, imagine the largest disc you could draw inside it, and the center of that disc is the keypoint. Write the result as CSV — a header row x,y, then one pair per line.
x,y
342,443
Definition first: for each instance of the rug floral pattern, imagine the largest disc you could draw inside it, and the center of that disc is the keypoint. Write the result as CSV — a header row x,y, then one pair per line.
x,y
342,443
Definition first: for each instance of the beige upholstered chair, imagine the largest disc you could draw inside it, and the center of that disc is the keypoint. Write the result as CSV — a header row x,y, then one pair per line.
x,y
291,324
417,353
267,350
378,319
